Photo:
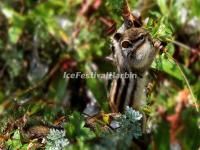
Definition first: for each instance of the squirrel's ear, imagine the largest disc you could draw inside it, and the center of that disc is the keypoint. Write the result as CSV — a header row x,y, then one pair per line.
x,y
117,36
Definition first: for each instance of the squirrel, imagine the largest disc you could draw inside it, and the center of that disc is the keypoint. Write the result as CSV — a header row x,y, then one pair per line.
x,y
133,51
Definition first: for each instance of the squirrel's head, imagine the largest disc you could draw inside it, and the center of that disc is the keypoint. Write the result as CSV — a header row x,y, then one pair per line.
x,y
133,50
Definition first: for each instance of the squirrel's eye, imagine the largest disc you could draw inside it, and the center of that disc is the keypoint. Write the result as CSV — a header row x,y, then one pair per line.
x,y
141,38
126,44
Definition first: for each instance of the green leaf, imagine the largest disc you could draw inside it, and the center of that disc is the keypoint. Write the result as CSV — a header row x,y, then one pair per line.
x,y
75,127
17,23
96,85
25,147
58,89
159,26
36,107
14,33
8,12
16,135
116,4
191,129
13,61
163,6
162,63
1,97
195,7
196,89
161,136
15,142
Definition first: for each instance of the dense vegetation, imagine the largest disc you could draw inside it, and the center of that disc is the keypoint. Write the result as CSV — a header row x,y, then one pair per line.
x,y
42,39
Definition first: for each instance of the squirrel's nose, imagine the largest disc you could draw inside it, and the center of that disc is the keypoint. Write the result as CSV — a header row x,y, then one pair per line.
x,y
126,44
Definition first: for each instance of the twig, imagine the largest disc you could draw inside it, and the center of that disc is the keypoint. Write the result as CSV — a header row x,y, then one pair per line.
x,y
37,85
186,80
181,45
130,19
125,10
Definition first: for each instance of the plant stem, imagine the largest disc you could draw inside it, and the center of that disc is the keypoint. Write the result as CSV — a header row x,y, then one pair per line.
x,y
37,85
179,44
186,80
